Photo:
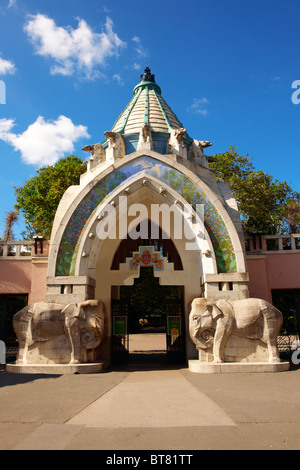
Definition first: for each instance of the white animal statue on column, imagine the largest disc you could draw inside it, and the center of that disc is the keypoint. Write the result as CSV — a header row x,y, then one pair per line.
x,y
79,327
212,322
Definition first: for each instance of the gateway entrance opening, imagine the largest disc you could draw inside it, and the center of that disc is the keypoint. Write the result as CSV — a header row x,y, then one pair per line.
x,y
148,322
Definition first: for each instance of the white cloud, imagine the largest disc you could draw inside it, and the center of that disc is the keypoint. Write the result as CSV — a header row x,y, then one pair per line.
x,y
198,106
5,126
141,51
12,3
118,78
73,50
6,67
44,142
104,9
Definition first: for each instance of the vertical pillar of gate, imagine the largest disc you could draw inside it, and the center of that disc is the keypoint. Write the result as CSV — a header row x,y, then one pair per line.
x,y
120,334
176,332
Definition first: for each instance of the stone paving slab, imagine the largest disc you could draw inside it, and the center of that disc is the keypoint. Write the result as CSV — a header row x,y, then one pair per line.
x,y
153,399
259,436
231,411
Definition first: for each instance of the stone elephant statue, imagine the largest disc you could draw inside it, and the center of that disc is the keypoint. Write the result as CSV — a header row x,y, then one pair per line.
x,y
79,326
211,323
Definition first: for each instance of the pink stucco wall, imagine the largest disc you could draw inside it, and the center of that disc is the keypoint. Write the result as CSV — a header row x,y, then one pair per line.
x,y
38,282
273,271
23,276
258,278
267,271
284,271
15,276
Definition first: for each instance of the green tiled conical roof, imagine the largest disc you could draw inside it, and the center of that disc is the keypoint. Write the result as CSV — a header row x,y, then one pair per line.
x,y
147,107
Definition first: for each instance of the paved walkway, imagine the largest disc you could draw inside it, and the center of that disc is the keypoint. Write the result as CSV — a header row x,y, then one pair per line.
x,y
149,408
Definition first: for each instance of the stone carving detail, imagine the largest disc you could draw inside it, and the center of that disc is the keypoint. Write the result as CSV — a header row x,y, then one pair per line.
x,y
201,144
98,154
146,133
196,152
145,139
212,323
176,144
62,332
116,147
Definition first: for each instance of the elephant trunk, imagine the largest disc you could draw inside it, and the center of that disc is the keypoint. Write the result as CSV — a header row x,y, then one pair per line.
x,y
90,339
92,334
204,338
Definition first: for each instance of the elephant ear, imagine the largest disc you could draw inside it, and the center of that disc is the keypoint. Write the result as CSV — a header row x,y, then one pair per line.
x,y
225,308
71,310
90,307
93,313
216,312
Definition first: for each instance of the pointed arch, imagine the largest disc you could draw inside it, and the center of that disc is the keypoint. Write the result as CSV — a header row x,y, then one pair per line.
x,y
173,176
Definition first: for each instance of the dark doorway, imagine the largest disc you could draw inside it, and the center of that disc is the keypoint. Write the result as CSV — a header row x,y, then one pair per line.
x,y
288,302
9,306
142,311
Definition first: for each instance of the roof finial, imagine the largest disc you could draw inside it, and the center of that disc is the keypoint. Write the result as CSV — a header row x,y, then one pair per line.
x,y
147,76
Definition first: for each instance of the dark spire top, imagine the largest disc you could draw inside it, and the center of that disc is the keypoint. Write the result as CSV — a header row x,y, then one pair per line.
x,y
147,81
147,76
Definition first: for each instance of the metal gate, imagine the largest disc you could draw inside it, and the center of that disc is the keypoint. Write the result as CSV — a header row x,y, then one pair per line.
x,y
175,332
120,335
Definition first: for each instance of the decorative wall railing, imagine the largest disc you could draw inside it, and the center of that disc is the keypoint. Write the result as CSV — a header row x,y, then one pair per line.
x,y
273,243
17,249
257,242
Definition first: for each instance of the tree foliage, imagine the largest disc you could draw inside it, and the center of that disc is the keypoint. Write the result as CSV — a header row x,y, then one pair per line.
x,y
292,214
39,197
265,204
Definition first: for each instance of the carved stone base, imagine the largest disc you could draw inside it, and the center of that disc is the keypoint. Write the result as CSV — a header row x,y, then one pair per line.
x,y
239,367
60,369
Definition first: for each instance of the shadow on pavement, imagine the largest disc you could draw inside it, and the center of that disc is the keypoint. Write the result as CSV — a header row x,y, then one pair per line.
x,y
141,361
7,378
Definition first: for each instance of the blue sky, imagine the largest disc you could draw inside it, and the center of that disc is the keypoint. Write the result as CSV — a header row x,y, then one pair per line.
x,y
225,67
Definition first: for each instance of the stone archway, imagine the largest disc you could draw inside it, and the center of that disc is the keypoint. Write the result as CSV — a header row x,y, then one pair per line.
x,y
81,260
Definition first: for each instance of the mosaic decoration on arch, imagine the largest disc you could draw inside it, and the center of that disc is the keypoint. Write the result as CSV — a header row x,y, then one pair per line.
x,y
214,224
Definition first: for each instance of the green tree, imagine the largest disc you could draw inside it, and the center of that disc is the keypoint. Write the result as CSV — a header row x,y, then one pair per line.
x,y
39,197
265,204
292,214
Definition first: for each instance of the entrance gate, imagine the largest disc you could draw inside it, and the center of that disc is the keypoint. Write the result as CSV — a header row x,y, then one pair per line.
x,y
174,327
